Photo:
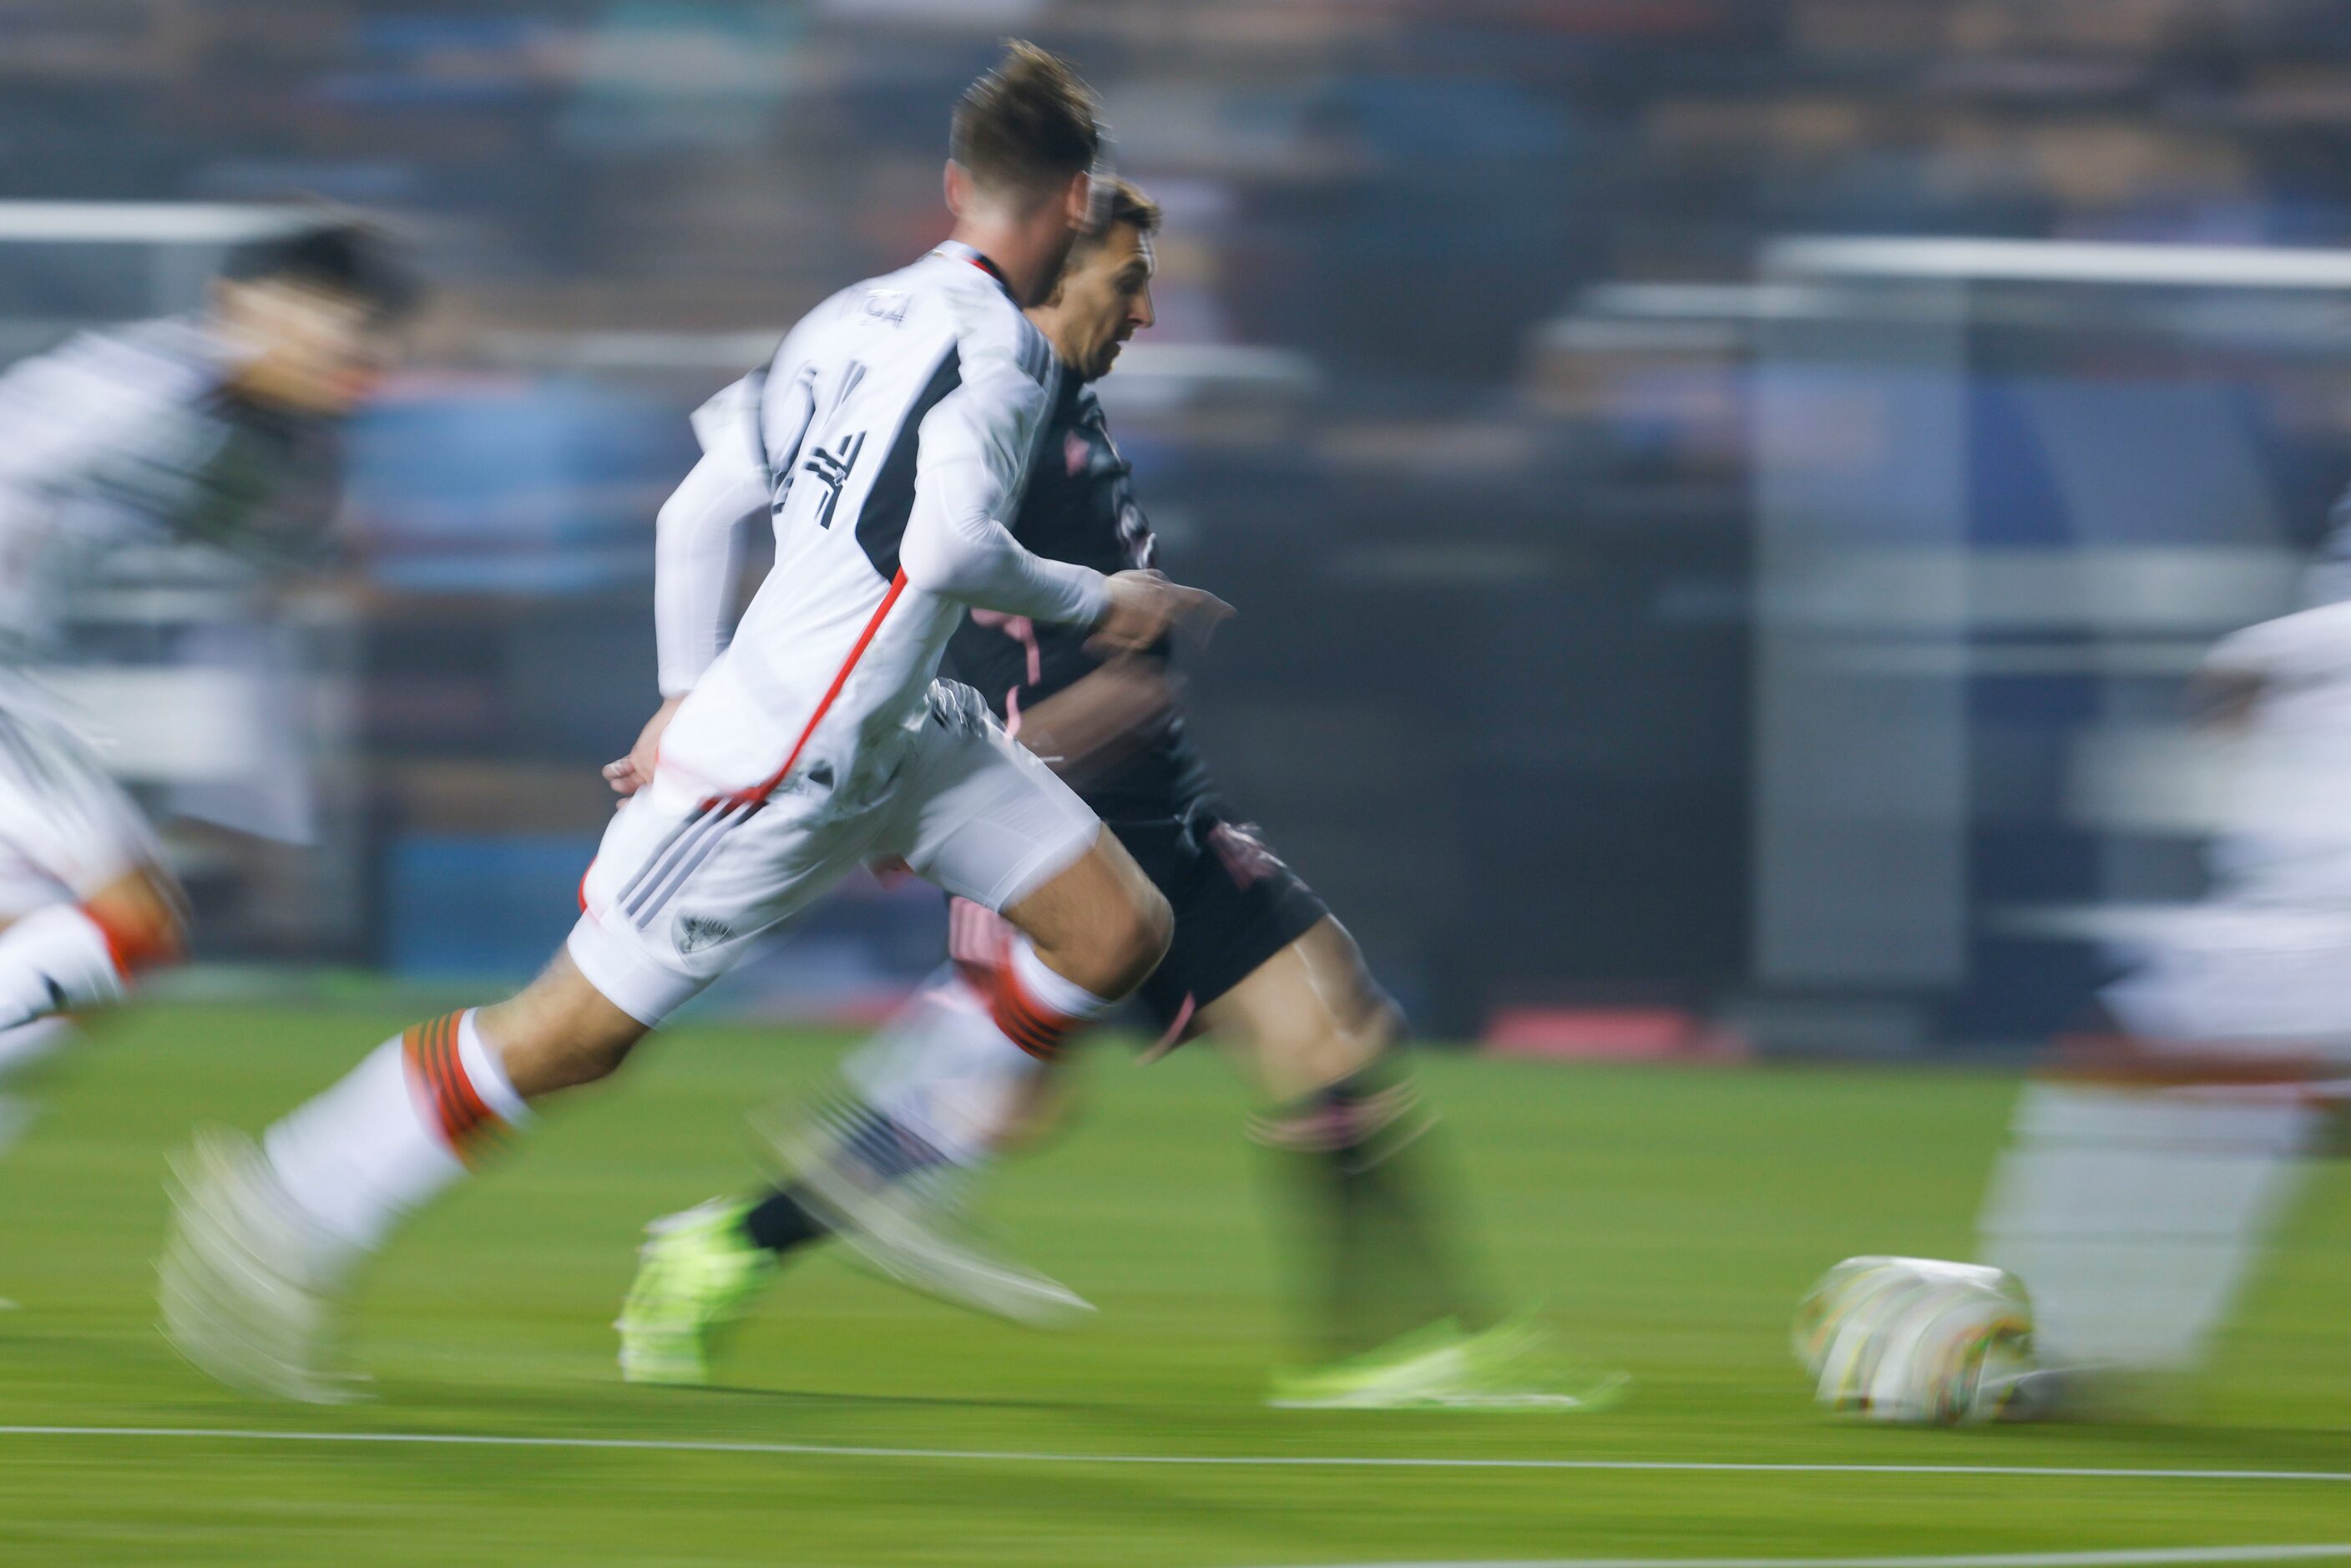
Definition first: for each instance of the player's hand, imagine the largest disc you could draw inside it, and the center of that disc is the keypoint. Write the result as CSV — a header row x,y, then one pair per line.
x,y
1144,607
634,771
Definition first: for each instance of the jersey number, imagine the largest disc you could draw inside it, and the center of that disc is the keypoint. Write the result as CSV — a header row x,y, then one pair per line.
x,y
831,471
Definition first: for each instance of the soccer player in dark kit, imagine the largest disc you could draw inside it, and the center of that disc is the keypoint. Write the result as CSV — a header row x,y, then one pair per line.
x,y
1257,961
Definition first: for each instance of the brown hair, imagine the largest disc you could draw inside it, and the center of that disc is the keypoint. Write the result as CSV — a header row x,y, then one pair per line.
x,y
1127,205
1026,126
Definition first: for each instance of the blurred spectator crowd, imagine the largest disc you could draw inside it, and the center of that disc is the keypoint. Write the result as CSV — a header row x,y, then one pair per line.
x,y
1447,392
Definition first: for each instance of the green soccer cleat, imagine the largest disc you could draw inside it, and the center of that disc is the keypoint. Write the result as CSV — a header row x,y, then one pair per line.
x,y
1507,1367
696,1275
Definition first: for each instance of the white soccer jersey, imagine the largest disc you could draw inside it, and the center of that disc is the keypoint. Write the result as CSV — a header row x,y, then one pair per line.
x,y
113,436
889,438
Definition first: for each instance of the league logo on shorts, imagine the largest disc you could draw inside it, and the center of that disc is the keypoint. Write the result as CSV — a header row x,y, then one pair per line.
x,y
696,931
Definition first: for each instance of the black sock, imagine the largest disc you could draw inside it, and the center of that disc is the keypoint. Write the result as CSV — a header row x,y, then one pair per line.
x,y
780,1222
882,1152
1355,1148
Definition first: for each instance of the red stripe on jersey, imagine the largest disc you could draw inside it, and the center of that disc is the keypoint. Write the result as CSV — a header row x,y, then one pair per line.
x,y
864,640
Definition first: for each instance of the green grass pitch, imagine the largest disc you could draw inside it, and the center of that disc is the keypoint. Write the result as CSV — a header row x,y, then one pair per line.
x,y
1669,1218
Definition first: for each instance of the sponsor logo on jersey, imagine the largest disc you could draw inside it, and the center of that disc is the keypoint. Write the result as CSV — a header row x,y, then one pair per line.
x,y
696,931
887,304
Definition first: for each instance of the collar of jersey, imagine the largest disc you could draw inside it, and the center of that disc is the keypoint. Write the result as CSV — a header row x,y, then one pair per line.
x,y
970,255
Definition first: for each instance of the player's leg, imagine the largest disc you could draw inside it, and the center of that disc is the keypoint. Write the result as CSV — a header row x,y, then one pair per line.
x,y
2134,1205
1284,990
87,898
269,1235
888,1159
1402,1323
1320,1043
84,901
988,822
1081,927
937,1089
79,953
2142,1182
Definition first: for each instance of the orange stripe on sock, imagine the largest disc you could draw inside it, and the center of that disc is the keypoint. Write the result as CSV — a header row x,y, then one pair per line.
x,y
1033,1029
464,1118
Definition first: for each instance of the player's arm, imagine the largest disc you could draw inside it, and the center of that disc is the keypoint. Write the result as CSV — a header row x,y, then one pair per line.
x,y
1101,718
968,475
698,552
65,415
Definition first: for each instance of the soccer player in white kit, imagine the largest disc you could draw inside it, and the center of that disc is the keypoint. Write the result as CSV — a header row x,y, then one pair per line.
x,y
2144,1178
2146,1173
196,428
888,438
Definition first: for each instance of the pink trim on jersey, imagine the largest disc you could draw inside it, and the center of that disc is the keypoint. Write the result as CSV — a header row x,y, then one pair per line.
x,y
1175,1035
1021,629
977,935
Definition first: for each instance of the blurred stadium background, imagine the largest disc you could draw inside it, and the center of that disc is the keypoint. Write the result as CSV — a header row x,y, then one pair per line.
x,y
1588,514
1725,499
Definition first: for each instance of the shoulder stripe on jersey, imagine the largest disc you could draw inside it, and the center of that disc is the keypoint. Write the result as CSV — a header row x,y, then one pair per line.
x,y
881,522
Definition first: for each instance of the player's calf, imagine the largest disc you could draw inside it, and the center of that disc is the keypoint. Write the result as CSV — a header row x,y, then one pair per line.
x,y
428,1104
1346,1121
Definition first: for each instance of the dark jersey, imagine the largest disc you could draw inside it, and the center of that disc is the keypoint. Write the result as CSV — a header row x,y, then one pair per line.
x,y
1080,507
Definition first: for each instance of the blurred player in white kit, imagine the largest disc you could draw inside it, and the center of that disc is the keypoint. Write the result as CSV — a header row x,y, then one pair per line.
x,y
887,441
205,428
2144,1176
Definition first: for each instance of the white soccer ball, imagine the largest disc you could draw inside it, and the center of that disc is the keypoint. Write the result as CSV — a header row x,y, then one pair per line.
x,y
1915,1340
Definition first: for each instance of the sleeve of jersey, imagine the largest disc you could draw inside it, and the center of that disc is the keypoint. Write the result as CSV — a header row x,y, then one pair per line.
x,y
970,467
59,415
698,548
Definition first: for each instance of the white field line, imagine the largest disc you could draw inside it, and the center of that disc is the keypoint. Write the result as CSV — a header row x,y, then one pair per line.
x,y
1247,1461
2144,1557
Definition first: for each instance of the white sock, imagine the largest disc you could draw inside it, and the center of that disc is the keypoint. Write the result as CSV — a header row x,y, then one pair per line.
x,y
2134,1216
941,1068
395,1132
29,1044
1064,996
54,960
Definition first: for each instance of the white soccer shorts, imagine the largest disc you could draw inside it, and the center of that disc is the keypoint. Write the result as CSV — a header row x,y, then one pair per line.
x,y
684,885
67,828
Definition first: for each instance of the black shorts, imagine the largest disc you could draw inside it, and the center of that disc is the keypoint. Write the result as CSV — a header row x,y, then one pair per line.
x,y
1236,905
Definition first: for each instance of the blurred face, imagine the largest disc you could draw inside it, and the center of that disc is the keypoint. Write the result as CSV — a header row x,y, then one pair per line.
x,y
1103,299
308,349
